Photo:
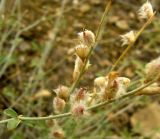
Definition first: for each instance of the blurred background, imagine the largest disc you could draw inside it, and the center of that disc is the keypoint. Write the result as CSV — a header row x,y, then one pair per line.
x,y
37,38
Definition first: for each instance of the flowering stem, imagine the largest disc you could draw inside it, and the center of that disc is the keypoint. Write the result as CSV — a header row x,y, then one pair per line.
x,y
130,45
131,93
74,85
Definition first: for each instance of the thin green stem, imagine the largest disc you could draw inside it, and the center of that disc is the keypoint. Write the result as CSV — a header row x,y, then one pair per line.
x,y
108,6
76,82
45,118
130,45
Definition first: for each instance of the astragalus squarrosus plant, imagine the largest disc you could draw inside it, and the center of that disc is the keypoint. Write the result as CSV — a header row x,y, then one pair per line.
x,y
106,89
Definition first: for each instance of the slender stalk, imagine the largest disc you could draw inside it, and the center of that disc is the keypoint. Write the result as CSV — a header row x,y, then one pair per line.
x,y
130,45
74,85
45,118
131,93
108,6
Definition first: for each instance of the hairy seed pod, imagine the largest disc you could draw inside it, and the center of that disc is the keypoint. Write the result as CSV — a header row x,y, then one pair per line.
x,y
146,11
58,104
100,81
87,37
123,80
80,95
78,110
78,67
128,38
62,92
111,86
123,83
152,69
99,85
111,90
82,51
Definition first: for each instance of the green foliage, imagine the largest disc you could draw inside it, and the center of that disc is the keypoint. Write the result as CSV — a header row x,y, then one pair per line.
x,y
10,112
13,123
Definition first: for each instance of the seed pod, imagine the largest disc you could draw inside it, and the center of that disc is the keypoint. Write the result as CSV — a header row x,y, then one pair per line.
x,y
58,104
123,83
62,92
78,110
111,90
82,51
78,67
111,86
80,95
128,38
99,84
146,11
152,69
87,37
123,80
100,81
